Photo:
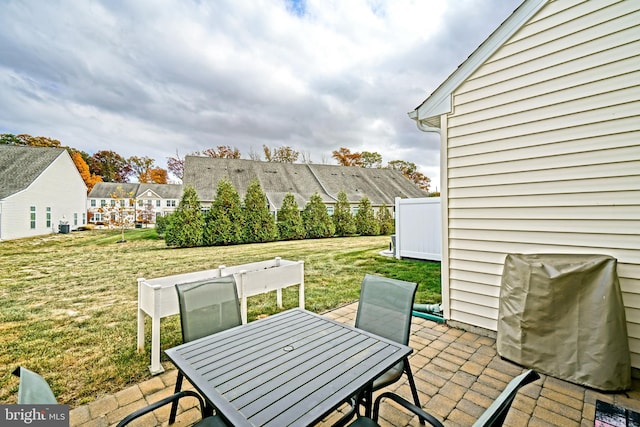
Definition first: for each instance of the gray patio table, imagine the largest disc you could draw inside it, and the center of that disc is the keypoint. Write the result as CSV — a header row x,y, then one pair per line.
x,y
289,369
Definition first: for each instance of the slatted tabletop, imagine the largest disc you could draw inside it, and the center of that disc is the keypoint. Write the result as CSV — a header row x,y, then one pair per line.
x,y
289,369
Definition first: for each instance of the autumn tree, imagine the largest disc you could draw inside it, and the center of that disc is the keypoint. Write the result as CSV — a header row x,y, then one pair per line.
x,y
111,166
345,157
402,166
221,152
259,224
140,167
366,224
283,154
43,141
28,140
184,227
119,214
224,222
368,159
371,159
175,165
146,214
316,219
385,220
90,179
85,156
145,170
158,175
290,226
410,170
421,180
342,218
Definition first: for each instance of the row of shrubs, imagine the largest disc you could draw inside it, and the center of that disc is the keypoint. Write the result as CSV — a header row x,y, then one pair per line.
x,y
231,222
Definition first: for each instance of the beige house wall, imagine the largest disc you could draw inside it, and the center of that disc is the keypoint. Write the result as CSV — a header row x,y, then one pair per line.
x,y
542,152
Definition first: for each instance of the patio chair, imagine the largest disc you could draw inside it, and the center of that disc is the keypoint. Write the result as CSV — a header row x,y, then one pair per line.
x,y
206,421
493,416
385,309
33,389
206,307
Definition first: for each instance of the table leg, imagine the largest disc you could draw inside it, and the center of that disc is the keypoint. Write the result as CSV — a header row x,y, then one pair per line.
x,y
368,401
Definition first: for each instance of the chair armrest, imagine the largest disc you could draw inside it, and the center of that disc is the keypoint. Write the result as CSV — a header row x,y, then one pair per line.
x,y
407,405
152,407
349,414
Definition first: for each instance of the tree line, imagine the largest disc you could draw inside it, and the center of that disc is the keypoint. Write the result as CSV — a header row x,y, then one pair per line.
x,y
231,221
109,166
102,166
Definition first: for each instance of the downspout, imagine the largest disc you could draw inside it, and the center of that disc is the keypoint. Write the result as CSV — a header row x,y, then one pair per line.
x,y
428,312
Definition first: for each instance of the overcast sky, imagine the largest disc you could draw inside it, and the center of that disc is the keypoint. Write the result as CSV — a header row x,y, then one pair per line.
x,y
159,77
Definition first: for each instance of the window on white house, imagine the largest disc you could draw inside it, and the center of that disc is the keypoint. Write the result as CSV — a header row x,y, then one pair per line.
x,y
158,204
48,217
103,203
330,210
93,203
33,217
75,218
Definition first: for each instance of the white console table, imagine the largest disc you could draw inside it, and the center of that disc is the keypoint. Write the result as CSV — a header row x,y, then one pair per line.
x,y
158,298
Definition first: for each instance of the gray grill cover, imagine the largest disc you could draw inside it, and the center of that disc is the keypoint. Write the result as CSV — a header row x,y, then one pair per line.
x,y
563,316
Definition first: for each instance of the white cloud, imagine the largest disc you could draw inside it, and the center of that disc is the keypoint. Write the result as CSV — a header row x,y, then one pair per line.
x,y
151,78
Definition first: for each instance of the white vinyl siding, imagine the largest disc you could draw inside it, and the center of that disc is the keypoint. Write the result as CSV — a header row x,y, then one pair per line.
x,y
543,155
57,194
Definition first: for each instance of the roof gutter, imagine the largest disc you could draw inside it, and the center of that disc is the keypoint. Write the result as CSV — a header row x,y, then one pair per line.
x,y
423,124
426,128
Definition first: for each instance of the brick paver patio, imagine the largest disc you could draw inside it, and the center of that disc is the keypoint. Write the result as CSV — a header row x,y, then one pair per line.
x,y
457,373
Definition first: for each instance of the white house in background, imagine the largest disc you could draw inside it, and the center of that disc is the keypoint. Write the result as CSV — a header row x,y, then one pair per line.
x,y
144,202
540,140
39,189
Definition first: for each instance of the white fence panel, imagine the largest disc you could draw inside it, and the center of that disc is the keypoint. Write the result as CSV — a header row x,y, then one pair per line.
x,y
419,228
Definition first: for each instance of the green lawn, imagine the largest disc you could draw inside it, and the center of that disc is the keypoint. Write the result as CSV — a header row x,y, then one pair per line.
x,y
69,301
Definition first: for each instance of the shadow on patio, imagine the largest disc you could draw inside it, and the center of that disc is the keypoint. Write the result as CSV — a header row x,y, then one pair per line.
x,y
458,374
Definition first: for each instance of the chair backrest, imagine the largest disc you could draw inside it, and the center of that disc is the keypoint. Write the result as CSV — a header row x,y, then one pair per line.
x,y
497,412
33,389
385,307
208,306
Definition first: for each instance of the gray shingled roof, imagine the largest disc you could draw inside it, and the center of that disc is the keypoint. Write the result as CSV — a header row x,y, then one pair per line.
x,y
20,166
381,186
165,191
302,180
104,190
